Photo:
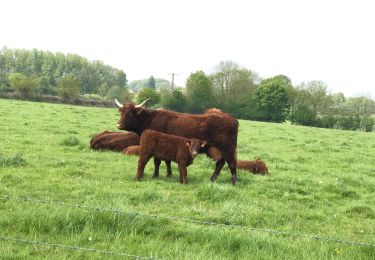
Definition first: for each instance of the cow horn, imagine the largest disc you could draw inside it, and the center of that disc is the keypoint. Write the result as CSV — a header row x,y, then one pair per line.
x,y
118,103
143,103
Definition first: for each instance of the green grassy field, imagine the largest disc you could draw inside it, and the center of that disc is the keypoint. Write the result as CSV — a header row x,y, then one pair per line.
x,y
322,183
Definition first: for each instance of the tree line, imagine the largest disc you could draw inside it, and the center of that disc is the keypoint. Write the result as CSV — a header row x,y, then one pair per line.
x,y
245,95
35,72
230,87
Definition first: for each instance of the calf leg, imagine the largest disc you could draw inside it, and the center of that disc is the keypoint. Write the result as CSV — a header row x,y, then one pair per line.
x,y
218,167
183,173
156,169
169,170
142,161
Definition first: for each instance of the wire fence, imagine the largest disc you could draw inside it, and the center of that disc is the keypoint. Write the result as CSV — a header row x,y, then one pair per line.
x,y
92,250
187,220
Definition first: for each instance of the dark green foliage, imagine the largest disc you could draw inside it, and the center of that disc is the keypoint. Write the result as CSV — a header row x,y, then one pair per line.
x,y
348,122
50,67
146,93
327,121
233,88
271,101
199,91
174,100
302,115
26,86
68,88
368,123
151,83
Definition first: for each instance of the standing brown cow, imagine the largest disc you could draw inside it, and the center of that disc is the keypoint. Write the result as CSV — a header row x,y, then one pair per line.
x,y
168,148
218,129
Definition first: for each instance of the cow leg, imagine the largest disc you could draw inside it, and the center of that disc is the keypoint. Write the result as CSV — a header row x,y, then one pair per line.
x,y
233,170
183,173
169,170
142,161
156,169
218,167
231,160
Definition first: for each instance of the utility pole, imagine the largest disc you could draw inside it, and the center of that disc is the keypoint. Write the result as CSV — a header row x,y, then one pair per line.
x,y
173,74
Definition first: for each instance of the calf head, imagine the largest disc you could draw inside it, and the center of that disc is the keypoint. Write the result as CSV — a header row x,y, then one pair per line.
x,y
194,145
130,115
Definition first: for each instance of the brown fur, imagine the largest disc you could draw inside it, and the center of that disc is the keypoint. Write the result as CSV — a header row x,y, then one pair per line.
x,y
167,147
254,166
116,141
132,150
136,150
219,129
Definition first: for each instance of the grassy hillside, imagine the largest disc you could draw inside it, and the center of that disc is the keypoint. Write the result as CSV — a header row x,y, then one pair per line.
x,y
322,182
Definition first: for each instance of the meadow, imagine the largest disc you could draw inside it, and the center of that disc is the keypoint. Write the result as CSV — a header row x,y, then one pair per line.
x,y
321,183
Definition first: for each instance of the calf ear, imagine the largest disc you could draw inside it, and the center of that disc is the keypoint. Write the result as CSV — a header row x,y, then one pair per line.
x,y
203,143
188,144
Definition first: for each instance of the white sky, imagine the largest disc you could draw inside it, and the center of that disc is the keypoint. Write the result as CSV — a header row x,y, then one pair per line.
x,y
328,40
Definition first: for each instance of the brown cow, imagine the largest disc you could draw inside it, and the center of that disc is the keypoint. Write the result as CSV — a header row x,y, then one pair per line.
x,y
218,129
116,141
167,147
254,166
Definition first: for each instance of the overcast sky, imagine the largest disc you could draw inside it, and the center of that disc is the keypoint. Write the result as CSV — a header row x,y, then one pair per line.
x,y
328,40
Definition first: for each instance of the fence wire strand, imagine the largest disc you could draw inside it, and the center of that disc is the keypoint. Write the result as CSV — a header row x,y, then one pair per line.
x,y
193,221
92,250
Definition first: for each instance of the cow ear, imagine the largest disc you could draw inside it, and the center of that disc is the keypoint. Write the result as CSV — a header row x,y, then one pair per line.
x,y
188,144
203,143
139,110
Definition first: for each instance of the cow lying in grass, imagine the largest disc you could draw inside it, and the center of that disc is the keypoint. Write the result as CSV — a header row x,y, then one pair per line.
x,y
116,141
167,147
254,166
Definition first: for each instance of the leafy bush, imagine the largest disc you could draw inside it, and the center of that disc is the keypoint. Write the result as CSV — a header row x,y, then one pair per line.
x,y
368,123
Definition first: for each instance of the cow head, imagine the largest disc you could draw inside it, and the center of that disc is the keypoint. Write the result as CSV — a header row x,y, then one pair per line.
x,y
194,145
129,119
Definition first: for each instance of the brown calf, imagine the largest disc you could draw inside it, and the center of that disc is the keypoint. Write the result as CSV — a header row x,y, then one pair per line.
x,y
167,147
116,141
254,166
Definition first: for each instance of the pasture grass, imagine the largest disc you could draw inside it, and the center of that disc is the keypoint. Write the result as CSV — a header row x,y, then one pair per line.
x,y
322,182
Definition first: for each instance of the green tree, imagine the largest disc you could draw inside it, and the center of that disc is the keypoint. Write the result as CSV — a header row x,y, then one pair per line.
x,y
199,92
146,93
174,100
233,85
68,88
151,82
271,100
26,86
120,93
